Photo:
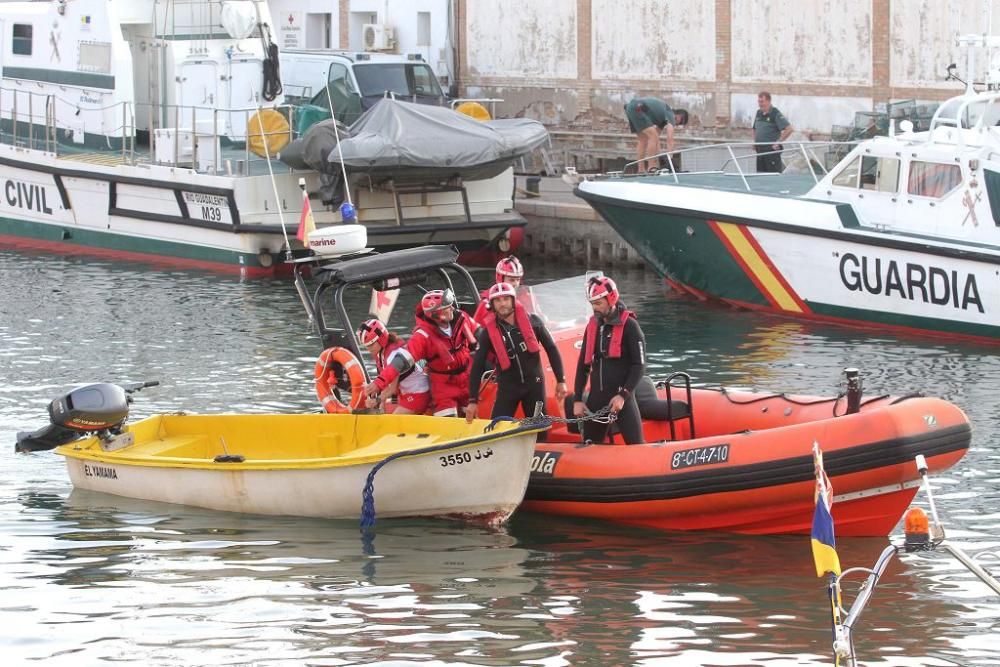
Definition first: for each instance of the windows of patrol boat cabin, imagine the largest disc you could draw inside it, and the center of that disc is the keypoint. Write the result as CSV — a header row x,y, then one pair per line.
x,y
20,43
867,172
934,180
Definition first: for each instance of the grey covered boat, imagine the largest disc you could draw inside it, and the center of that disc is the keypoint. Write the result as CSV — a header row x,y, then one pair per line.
x,y
408,142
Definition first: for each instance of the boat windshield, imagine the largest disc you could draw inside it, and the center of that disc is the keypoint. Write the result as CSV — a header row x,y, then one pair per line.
x,y
562,304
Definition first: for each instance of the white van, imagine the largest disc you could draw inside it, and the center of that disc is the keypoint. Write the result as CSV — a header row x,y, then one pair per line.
x,y
353,81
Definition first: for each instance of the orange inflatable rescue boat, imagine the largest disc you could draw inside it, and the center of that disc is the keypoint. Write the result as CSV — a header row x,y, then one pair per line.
x,y
750,468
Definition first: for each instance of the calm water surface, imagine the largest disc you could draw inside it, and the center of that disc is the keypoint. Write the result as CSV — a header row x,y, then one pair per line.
x,y
87,579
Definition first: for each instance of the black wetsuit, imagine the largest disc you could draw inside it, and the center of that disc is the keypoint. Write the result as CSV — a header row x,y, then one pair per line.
x,y
610,376
524,380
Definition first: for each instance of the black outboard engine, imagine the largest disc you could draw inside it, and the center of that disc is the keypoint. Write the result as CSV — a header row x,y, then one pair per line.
x,y
90,409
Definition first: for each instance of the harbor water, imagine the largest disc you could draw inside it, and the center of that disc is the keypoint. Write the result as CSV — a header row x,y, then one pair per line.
x,y
88,579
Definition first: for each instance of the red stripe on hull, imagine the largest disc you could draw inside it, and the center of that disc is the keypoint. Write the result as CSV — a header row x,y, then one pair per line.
x,y
714,226
681,287
59,248
752,240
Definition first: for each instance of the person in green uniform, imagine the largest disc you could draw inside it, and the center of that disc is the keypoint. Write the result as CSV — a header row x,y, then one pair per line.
x,y
647,116
770,128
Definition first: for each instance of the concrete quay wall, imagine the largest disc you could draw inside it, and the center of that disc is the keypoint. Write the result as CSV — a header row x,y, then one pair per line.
x,y
561,226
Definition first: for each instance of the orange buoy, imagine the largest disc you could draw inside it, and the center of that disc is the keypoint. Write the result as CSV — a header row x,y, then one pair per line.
x,y
331,364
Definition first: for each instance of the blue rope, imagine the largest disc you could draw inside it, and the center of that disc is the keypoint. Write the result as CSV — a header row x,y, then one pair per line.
x,y
368,494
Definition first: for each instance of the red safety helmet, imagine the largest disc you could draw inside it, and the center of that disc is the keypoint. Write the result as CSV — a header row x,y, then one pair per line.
x,y
499,290
602,287
435,301
509,266
373,331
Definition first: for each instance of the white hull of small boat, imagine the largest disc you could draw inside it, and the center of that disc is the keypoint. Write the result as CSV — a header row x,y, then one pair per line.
x,y
481,477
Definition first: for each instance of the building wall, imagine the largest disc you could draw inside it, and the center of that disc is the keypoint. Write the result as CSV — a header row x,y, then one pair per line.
x,y
573,63
922,38
419,26
295,23
522,39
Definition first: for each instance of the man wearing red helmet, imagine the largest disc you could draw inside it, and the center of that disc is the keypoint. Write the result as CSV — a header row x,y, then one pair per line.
x,y
412,388
510,271
514,339
613,358
443,337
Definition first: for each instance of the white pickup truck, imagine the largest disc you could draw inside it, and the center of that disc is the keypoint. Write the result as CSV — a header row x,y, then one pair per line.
x,y
351,82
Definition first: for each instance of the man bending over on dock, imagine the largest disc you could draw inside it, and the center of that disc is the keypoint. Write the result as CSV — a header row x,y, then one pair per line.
x,y
647,116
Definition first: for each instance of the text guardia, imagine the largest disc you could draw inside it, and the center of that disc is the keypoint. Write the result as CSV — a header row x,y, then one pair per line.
x,y
915,282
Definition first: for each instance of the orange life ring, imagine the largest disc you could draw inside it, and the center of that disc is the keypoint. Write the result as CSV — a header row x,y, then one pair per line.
x,y
328,377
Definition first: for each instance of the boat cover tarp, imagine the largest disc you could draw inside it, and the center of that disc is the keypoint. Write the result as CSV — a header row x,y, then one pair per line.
x,y
404,140
401,134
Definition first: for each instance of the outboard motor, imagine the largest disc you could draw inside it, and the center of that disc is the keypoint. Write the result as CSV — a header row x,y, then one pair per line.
x,y
90,409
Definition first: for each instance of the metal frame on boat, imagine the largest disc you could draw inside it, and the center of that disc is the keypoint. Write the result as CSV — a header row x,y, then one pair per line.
x,y
380,271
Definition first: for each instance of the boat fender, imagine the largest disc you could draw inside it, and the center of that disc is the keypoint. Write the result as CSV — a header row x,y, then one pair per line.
x,y
333,364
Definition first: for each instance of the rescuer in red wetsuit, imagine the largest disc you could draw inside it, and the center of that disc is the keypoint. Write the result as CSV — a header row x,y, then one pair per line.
x,y
613,358
514,339
412,387
444,336
510,271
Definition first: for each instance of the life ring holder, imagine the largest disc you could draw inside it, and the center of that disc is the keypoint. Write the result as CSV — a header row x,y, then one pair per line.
x,y
332,363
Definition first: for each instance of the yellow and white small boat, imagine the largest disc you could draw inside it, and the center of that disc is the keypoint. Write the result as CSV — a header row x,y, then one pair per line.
x,y
313,465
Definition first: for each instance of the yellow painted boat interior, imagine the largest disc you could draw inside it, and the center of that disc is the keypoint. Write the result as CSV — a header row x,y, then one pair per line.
x,y
280,441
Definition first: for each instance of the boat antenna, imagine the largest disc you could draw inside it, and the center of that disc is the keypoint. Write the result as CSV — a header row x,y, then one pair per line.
x,y
270,170
347,212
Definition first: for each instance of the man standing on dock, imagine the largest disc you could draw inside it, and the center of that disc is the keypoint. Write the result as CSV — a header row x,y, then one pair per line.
x,y
613,358
647,116
770,128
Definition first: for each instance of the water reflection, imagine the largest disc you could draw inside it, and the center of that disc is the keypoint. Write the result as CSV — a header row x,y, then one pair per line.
x,y
96,578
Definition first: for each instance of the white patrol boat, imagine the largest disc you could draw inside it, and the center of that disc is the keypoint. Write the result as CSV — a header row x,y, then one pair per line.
x,y
902,233
150,128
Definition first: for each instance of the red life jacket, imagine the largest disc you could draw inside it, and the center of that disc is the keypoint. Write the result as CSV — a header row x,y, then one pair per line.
x,y
451,356
496,337
615,348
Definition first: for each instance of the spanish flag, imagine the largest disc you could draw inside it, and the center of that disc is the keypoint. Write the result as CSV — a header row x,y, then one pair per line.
x,y
824,547
306,222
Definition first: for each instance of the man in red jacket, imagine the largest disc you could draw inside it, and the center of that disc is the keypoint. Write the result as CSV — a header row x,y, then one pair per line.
x,y
444,337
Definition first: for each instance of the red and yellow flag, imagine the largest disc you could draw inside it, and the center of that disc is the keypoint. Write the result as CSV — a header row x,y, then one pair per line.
x,y
306,222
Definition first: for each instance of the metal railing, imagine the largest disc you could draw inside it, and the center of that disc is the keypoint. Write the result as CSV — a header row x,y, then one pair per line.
x,y
732,162
43,121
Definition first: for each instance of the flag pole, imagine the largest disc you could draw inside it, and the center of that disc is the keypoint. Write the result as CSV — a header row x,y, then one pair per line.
x,y
351,211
